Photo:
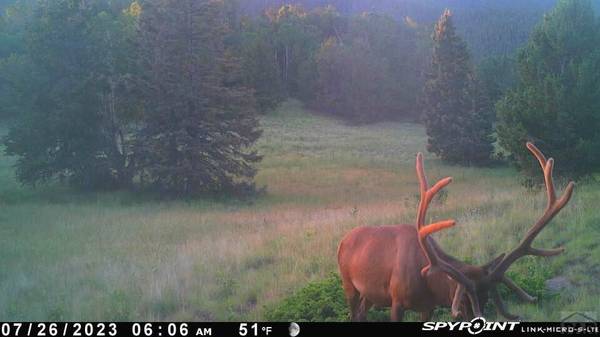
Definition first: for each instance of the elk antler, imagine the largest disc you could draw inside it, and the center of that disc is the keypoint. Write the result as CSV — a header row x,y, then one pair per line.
x,y
435,257
427,193
524,248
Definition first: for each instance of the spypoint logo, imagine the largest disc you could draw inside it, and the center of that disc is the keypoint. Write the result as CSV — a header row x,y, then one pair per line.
x,y
477,325
474,327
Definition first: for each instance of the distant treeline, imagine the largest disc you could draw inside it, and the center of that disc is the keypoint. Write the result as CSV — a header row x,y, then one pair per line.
x,y
363,68
490,27
361,60
166,94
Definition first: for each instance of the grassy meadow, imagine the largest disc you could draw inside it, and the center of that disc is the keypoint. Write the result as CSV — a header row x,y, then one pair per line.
x,y
66,255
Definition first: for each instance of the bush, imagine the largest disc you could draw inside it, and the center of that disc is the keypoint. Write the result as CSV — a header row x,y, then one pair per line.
x,y
324,300
556,101
318,301
531,275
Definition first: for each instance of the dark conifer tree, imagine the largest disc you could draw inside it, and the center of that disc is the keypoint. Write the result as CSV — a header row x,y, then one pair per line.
x,y
75,78
456,112
556,101
199,123
259,63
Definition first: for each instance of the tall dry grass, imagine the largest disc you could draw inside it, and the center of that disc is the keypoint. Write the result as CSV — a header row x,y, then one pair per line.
x,y
69,256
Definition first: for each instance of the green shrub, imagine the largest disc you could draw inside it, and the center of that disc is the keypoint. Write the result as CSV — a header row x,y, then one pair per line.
x,y
318,301
321,301
324,300
531,275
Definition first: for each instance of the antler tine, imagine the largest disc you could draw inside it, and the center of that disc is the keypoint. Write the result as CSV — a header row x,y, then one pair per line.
x,y
435,227
547,168
421,173
423,186
520,292
500,305
459,292
429,250
427,193
554,206
435,261
537,153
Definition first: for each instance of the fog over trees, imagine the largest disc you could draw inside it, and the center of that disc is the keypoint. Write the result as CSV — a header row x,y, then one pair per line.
x,y
488,26
167,95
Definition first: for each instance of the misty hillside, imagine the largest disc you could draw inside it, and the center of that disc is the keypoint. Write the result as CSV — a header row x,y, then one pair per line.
x,y
490,27
207,160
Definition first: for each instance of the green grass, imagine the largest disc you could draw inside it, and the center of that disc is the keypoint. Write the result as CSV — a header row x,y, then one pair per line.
x,y
66,255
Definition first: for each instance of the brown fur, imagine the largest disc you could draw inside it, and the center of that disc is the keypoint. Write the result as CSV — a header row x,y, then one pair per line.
x,y
403,268
381,266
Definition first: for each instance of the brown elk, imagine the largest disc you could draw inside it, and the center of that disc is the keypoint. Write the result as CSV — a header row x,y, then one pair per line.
x,y
402,267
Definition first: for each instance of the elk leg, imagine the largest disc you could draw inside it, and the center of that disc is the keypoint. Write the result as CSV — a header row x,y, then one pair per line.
x,y
354,303
397,314
353,298
355,310
364,307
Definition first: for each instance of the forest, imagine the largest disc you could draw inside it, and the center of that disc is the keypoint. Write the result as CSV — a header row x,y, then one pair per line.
x,y
147,142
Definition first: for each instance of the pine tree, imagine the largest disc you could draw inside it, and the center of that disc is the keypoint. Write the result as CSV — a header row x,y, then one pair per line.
x,y
557,99
199,123
259,64
457,117
75,78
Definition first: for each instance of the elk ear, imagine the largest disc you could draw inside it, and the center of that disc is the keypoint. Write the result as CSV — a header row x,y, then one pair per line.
x,y
492,264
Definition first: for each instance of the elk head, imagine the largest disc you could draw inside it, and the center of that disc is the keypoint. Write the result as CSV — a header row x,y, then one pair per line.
x,y
476,284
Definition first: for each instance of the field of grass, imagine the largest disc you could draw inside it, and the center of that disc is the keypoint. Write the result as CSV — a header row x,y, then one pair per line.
x,y
116,256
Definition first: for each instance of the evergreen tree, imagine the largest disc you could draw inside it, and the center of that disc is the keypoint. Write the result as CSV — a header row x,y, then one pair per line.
x,y
259,63
14,62
74,75
556,102
457,117
198,122
497,74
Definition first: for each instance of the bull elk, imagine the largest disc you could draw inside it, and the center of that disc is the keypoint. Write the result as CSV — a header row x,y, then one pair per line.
x,y
402,266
